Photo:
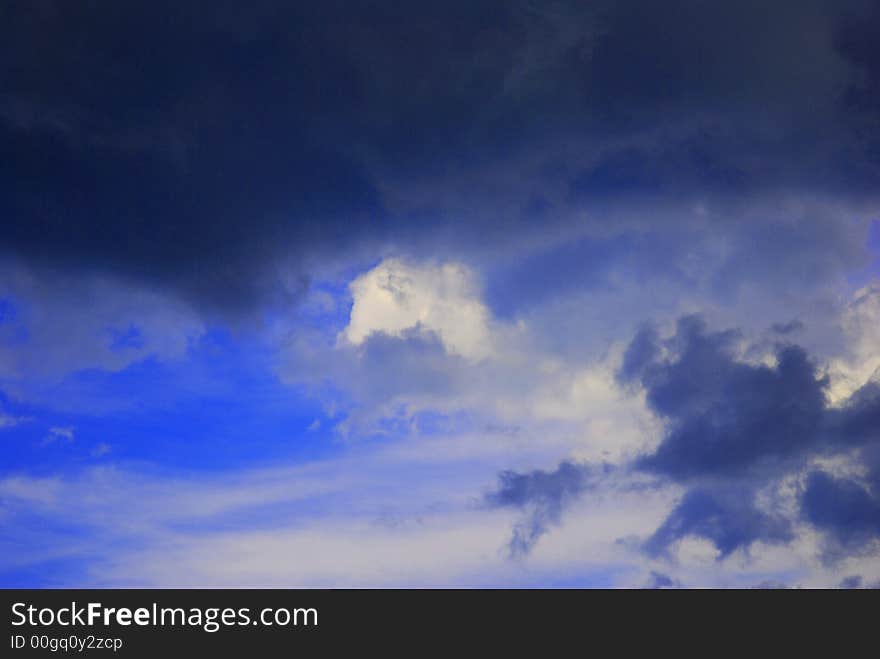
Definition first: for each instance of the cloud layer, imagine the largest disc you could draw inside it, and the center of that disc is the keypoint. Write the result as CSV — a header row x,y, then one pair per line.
x,y
554,293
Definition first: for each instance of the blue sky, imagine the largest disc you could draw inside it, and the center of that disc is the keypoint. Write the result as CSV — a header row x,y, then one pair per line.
x,y
488,294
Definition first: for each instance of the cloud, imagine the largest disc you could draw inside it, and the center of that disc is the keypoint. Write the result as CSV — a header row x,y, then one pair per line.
x,y
432,353
61,326
395,297
728,518
542,495
755,445
447,224
291,524
59,432
852,581
860,323
412,507
9,421
733,428
727,417
659,580
101,450
359,138
846,510
790,327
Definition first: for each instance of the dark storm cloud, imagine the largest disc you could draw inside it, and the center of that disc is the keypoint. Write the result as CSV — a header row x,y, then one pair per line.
x,y
734,428
196,146
727,417
848,508
542,495
170,145
727,518
844,508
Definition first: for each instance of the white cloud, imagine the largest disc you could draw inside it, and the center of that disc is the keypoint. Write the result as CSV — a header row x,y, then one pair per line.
x,y
615,424
860,324
58,432
412,522
522,393
378,516
396,297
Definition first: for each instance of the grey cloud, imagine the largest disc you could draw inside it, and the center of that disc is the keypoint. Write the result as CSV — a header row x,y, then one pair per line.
x,y
291,135
734,427
542,496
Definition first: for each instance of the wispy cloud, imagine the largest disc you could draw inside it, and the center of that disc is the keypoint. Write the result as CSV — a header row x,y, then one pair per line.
x,y
9,421
56,433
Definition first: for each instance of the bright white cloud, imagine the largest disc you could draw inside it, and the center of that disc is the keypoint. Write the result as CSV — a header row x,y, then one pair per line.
x,y
500,374
860,324
396,297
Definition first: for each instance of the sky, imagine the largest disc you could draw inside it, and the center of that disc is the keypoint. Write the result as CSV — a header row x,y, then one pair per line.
x,y
461,294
